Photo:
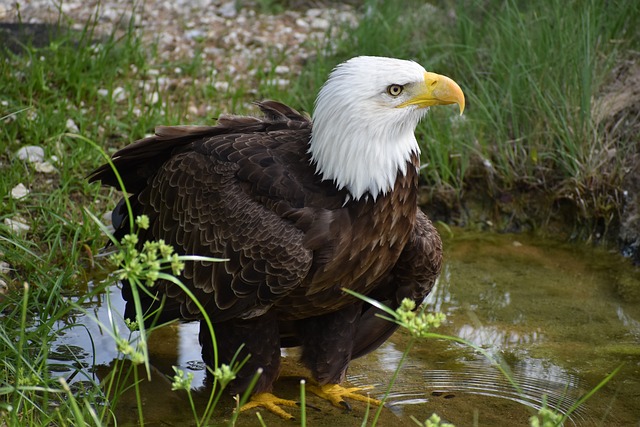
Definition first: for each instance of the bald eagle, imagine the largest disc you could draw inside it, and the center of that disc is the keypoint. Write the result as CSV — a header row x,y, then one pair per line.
x,y
301,209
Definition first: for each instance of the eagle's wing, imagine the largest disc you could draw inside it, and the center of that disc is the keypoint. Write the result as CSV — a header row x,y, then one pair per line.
x,y
223,191
413,276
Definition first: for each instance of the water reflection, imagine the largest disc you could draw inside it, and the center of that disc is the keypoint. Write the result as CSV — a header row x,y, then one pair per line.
x,y
550,313
632,324
492,337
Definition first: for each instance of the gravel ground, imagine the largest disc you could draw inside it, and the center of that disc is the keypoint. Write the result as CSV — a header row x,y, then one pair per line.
x,y
233,36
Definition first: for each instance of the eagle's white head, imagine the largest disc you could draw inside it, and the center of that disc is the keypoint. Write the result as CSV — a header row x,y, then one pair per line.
x,y
365,118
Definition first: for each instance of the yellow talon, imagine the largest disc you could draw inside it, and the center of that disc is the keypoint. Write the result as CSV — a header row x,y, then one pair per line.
x,y
270,402
336,394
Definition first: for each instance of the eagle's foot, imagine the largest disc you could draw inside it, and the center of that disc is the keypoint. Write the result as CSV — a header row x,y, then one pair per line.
x,y
270,402
336,394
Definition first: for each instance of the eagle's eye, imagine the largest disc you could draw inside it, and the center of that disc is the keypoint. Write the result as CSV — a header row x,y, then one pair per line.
x,y
395,90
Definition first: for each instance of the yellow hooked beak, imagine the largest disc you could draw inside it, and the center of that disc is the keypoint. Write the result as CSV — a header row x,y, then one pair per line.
x,y
436,89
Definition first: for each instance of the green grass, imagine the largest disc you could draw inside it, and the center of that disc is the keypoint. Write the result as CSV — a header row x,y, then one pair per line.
x,y
530,71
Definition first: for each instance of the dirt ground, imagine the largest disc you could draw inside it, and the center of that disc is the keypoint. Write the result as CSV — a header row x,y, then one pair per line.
x,y
230,35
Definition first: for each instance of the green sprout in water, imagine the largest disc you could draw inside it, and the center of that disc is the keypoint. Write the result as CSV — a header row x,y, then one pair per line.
x,y
131,324
180,381
145,265
135,354
433,421
417,323
546,418
224,374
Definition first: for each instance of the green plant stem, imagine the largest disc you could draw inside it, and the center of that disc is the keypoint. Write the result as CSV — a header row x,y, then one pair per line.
x,y
245,397
393,379
138,397
193,407
79,417
591,392
303,404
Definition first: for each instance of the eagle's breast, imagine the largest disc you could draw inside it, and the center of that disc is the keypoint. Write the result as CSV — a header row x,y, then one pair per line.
x,y
367,239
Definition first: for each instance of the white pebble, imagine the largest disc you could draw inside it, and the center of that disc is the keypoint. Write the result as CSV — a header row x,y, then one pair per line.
x,y
153,98
119,94
31,153
44,167
281,83
16,226
5,267
196,33
71,126
320,24
221,86
314,13
19,192
228,10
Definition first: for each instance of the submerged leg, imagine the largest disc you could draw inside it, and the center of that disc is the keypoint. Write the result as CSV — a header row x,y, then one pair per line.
x,y
257,338
328,343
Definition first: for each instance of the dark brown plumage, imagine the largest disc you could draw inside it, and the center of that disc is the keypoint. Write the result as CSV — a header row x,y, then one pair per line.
x,y
247,190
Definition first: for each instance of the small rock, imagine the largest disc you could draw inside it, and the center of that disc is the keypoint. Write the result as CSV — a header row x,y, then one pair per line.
x,y
153,98
31,153
320,24
106,218
221,86
44,167
5,267
71,126
194,34
280,83
119,94
19,192
228,9
17,226
282,69
314,12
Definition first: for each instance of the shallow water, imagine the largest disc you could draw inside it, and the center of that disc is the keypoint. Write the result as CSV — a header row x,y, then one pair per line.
x,y
560,317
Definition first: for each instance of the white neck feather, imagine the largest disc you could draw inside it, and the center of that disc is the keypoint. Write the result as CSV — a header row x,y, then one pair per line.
x,y
358,140
361,156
